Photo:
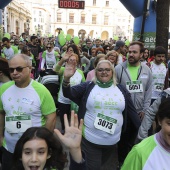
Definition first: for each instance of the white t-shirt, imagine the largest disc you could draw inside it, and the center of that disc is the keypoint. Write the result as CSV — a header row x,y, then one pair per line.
x,y
109,102
9,53
34,100
147,155
77,78
158,74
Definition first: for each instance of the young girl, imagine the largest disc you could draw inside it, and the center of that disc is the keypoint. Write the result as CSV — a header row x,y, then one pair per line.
x,y
38,148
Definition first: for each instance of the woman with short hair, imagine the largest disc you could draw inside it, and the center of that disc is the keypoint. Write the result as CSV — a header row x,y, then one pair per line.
x,y
112,56
104,105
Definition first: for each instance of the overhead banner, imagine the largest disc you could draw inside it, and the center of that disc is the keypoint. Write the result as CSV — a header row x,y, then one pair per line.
x,y
4,3
136,8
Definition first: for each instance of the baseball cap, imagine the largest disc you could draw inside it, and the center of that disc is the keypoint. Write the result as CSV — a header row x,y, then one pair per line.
x,y
119,44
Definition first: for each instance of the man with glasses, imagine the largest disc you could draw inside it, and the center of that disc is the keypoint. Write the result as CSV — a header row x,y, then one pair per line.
x,y
24,103
8,50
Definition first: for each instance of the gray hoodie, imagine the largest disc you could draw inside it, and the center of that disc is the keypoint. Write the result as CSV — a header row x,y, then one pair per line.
x,y
141,100
150,115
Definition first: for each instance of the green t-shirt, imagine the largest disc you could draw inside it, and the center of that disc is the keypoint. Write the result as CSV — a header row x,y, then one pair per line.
x,y
147,155
133,71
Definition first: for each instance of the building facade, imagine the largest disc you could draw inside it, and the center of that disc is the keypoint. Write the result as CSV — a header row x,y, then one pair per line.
x,y
100,19
16,18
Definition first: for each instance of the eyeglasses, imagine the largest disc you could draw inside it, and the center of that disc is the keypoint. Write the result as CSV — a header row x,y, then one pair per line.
x,y
101,70
72,60
112,55
99,52
48,47
18,69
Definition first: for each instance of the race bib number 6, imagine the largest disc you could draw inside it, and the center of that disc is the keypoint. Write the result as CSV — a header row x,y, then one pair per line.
x,y
105,123
17,124
134,86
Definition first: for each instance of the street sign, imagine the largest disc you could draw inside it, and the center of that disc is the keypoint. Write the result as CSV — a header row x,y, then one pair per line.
x,y
71,4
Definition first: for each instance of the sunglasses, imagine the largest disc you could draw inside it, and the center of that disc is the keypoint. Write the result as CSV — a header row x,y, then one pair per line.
x,y
18,69
48,47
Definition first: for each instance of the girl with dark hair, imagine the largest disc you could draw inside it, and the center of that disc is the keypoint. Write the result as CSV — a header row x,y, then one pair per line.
x,y
4,71
38,148
145,56
154,151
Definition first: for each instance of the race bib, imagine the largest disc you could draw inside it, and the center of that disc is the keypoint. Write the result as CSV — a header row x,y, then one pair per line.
x,y
50,65
105,123
134,86
17,124
158,87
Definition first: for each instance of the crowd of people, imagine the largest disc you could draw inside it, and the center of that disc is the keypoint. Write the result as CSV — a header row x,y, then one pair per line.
x,y
111,96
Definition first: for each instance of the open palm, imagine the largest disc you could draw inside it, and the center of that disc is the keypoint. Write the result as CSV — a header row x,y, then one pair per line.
x,y
73,132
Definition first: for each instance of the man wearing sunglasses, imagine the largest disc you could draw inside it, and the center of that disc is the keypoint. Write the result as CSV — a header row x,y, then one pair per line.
x,y
24,103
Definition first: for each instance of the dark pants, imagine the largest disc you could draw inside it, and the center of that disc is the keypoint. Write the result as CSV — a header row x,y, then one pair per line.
x,y
150,131
63,109
7,158
127,141
100,157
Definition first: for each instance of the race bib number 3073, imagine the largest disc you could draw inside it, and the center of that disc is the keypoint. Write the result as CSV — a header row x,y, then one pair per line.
x,y
105,123
17,124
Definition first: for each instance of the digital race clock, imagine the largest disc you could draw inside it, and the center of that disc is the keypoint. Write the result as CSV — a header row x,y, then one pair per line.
x,y
71,4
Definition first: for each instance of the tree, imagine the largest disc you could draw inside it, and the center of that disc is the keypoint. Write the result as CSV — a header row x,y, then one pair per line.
x,y
162,23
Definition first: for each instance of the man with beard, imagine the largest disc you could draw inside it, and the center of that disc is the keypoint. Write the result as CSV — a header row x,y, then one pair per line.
x,y
137,78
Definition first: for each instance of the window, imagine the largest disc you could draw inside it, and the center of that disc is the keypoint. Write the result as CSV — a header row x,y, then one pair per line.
x,y
94,2
71,18
106,20
34,19
94,19
82,19
58,17
41,27
40,13
107,3
123,20
119,20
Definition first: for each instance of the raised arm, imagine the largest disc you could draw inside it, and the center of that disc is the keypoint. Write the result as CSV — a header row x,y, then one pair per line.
x,y
72,137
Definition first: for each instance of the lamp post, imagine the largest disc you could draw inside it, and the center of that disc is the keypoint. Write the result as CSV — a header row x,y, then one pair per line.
x,y
28,26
